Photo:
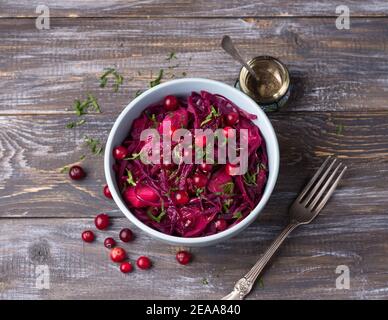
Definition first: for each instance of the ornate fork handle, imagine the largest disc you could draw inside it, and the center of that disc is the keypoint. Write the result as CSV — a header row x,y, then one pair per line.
x,y
245,284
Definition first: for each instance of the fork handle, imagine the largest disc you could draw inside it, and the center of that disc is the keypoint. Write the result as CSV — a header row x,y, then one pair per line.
x,y
245,284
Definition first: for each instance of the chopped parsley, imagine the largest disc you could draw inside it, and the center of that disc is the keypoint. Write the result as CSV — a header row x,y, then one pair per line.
x,y
82,107
212,115
237,215
118,78
156,81
94,144
130,179
250,179
74,124
340,129
64,169
134,156
198,191
172,55
205,281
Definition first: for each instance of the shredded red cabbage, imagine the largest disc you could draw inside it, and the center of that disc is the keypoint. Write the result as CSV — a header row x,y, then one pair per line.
x,y
149,190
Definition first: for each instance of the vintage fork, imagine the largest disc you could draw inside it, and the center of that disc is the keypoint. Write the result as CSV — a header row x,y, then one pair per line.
x,y
304,209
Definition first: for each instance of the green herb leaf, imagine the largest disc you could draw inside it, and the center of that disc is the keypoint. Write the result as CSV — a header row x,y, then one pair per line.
x,y
205,281
228,187
250,179
118,78
64,169
133,156
138,93
237,215
94,103
157,218
82,158
171,56
198,191
156,81
339,129
260,283
130,179
226,205
212,115
94,145
74,124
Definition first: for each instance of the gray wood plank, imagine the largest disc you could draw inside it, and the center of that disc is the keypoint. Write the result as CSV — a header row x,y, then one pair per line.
x,y
303,269
332,70
197,8
34,148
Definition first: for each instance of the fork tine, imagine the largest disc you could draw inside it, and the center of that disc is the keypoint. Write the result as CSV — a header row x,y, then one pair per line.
x,y
313,179
323,189
330,192
318,184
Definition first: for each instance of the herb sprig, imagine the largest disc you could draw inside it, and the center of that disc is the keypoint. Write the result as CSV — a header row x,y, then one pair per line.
x,y
111,72
212,115
94,144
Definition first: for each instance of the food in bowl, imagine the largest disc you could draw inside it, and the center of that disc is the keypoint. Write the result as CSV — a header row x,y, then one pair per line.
x,y
192,199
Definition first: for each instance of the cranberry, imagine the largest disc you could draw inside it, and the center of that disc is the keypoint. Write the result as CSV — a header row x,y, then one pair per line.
x,y
107,192
101,221
181,197
143,262
88,236
120,152
221,224
200,141
126,267
205,167
183,257
231,118
171,103
126,235
230,168
200,180
118,254
77,173
229,132
109,243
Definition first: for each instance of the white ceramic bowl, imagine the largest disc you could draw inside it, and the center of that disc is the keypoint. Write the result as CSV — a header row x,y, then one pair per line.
x,y
184,87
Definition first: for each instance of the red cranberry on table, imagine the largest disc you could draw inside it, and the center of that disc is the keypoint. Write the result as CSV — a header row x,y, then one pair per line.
x,y
126,267
183,257
126,235
88,236
77,173
143,263
120,152
171,103
109,243
221,224
181,197
101,221
107,192
231,118
118,254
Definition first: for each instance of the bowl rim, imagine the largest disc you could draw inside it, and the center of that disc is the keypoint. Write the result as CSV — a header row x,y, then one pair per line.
x,y
205,240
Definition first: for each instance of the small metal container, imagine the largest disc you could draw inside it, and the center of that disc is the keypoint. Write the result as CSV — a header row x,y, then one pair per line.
x,y
273,89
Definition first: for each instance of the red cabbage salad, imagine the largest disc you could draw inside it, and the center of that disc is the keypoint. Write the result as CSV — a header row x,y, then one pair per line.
x,y
188,199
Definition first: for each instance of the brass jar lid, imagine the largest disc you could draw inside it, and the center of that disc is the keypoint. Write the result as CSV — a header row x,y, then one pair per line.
x,y
274,80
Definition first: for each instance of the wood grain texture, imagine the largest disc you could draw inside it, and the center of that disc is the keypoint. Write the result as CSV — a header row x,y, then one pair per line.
x,y
304,268
332,70
190,8
34,148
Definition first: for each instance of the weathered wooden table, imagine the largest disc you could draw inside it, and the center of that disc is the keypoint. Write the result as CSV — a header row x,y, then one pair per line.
x,y
338,106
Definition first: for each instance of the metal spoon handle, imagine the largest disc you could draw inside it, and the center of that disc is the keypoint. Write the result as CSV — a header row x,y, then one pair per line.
x,y
228,46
